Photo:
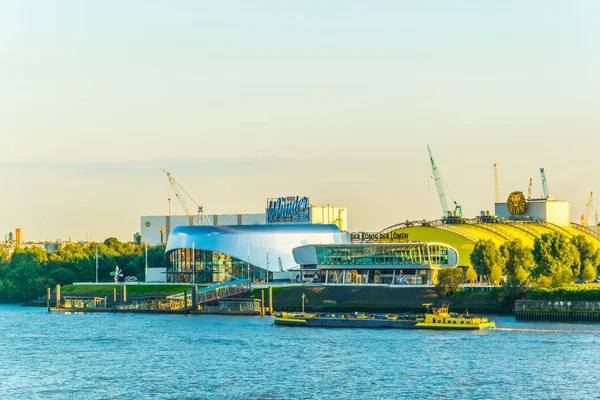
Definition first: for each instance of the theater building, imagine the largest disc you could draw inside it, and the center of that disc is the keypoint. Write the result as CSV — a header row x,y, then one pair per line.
x,y
210,254
393,264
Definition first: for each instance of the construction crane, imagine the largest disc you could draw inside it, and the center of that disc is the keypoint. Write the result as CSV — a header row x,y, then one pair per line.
x,y
586,217
497,183
544,183
530,189
178,189
438,184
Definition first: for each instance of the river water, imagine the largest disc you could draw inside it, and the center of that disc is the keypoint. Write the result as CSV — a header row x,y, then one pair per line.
x,y
137,356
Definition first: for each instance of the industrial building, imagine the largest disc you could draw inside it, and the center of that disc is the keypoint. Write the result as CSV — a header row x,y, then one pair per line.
x,y
282,210
155,228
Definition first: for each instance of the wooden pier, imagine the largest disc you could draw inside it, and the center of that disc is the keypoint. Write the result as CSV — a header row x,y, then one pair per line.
x,y
185,303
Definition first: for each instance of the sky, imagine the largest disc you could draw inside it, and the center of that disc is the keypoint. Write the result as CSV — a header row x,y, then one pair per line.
x,y
334,100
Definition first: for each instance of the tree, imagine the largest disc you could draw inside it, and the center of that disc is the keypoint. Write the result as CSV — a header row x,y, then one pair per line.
x,y
449,280
471,274
557,259
588,274
62,276
487,259
588,253
519,261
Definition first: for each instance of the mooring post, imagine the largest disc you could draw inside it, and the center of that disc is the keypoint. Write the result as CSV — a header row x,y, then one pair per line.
x,y
48,299
57,295
124,297
114,298
262,303
271,312
195,297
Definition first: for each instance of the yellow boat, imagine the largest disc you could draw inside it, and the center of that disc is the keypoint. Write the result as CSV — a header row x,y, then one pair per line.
x,y
434,318
440,318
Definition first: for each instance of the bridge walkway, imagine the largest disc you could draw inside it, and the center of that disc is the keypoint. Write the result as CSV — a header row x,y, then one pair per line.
x,y
218,291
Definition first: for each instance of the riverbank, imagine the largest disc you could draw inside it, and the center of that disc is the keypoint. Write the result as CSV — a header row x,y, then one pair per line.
x,y
383,299
353,298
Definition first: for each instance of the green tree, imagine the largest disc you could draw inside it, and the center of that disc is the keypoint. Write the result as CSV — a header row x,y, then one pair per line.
x,y
471,274
62,276
557,259
588,253
588,274
488,260
519,261
449,280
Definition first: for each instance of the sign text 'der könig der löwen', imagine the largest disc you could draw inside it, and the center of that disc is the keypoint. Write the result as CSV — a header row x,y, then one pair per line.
x,y
372,236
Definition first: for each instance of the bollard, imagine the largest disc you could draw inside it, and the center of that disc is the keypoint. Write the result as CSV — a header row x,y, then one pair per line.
x,y
195,298
124,294
48,299
271,312
114,297
262,303
57,295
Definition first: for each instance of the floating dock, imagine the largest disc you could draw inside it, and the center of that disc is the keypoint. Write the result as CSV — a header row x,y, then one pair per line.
x,y
216,299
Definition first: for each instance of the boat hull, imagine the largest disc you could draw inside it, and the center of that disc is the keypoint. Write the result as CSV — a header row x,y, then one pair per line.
x,y
384,323
345,323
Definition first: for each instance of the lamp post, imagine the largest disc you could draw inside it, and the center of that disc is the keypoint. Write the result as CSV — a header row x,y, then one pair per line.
x,y
267,280
146,272
96,262
193,263
248,263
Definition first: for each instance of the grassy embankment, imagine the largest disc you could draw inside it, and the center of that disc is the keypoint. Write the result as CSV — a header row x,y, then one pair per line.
x,y
588,292
155,290
381,299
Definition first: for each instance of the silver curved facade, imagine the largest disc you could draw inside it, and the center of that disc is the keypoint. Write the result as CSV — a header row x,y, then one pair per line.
x,y
267,247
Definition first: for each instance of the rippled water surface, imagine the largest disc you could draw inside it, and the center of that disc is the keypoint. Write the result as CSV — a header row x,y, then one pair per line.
x,y
96,356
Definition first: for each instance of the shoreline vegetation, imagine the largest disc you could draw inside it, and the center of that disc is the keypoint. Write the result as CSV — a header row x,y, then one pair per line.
x,y
545,272
27,271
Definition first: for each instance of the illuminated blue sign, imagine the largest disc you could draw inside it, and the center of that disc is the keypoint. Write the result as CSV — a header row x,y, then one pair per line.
x,y
288,209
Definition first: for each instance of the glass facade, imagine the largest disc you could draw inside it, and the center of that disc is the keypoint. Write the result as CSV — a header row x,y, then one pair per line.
x,y
210,267
375,276
373,255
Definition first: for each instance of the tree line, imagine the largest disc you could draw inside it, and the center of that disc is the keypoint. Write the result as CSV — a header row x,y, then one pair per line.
x,y
26,272
555,260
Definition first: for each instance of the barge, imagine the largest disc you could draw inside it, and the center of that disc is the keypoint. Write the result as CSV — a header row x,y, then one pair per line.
x,y
433,318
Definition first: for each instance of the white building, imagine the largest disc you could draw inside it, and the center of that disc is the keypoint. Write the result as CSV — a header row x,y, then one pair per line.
x,y
557,212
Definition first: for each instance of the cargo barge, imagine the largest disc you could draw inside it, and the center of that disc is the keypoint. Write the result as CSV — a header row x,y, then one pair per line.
x,y
433,318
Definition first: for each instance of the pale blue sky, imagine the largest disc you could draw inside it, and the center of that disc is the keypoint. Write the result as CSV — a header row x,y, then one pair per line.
x,y
248,100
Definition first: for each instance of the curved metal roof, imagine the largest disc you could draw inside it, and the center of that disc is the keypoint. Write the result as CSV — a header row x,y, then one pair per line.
x,y
265,246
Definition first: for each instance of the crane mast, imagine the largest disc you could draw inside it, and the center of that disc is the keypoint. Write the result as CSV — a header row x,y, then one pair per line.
x,y
438,184
586,217
178,189
544,183
530,189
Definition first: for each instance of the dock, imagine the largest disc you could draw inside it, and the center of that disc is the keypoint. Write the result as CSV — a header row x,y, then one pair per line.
x,y
557,311
220,299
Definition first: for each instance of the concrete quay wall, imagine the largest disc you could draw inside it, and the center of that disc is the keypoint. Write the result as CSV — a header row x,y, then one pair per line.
x,y
557,310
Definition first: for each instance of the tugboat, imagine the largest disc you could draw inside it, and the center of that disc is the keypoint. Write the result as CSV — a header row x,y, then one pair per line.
x,y
433,318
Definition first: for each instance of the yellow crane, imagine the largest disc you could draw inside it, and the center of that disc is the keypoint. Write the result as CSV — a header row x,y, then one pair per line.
x,y
585,217
529,190
177,188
